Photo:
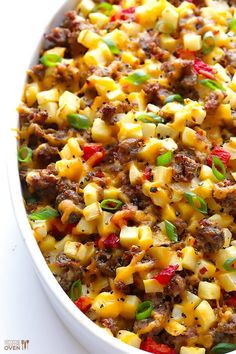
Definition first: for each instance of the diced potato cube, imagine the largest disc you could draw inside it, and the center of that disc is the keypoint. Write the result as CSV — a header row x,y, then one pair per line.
x,y
92,211
71,169
191,139
129,306
206,173
91,192
205,269
192,42
228,281
86,227
167,42
89,39
189,258
148,13
130,130
135,175
224,254
86,6
170,18
68,103
191,299
227,237
152,286
48,96
107,305
129,58
178,312
101,132
192,350
154,146
98,19
168,213
118,37
105,226
31,91
129,236
124,274
174,328
162,175
149,130
129,338
205,314
116,95
47,244
145,237
208,291
111,193
40,228
103,84
79,252
71,149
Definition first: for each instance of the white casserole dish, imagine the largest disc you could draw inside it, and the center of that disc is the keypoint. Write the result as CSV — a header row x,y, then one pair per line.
x,y
93,338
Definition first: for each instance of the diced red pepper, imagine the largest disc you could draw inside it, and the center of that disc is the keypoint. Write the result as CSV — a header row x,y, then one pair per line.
x,y
83,303
185,54
203,270
112,241
165,276
125,14
91,150
99,174
149,345
223,155
203,69
147,174
232,300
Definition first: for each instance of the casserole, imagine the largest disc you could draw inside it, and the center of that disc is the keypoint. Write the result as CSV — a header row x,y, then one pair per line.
x,y
144,144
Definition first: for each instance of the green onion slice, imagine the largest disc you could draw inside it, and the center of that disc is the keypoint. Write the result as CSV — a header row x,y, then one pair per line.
x,y
24,154
223,348
144,310
113,48
173,98
217,165
164,27
208,42
196,202
111,204
78,121
230,264
104,7
171,231
138,78
44,214
232,24
150,117
165,159
75,290
212,84
50,60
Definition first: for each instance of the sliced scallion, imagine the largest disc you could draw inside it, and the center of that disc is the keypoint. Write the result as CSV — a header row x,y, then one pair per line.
x,y
24,154
137,78
44,214
75,290
208,42
232,24
50,60
223,348
171,231
112,46
150,117
230,264
165,159
111,204
144,310
173,98
212,84
78,121
196,202
104,7
217,165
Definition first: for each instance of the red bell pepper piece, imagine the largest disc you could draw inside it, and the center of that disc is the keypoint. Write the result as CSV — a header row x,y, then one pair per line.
x,y
83,303
203,270
223,155
112,241
90,150
149,345
147,174
202,68
232,300
124,14
165,276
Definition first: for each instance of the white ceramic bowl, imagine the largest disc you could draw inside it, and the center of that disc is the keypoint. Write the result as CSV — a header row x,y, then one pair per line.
x,y
92,337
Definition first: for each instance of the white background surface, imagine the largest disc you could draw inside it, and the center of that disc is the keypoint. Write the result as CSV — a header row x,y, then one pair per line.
x,y
25,312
